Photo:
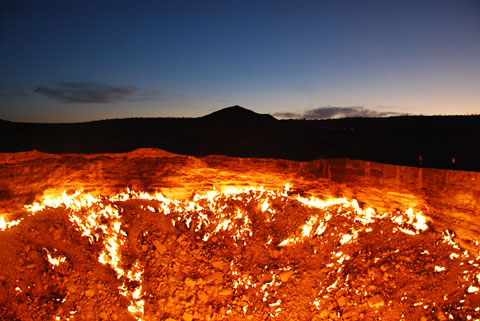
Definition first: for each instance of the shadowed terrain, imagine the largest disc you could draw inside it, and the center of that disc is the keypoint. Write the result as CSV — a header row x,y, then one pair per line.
x,y
236,131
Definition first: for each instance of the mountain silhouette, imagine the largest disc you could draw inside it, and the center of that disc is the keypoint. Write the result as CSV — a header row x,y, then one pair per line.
x,y
237,114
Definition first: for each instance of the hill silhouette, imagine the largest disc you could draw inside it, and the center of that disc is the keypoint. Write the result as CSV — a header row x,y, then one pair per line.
x,y
236,131
238,114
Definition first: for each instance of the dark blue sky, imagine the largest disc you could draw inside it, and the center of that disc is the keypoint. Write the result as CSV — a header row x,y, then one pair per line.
x,y
87,60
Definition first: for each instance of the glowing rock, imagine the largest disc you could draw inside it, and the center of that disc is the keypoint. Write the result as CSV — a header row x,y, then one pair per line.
x,y
190,283
89,293
202,296
285,275
159,246
219,265
375,301
187,316
342,301
226,292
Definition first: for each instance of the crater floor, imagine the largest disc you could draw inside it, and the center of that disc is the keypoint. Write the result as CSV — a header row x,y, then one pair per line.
x,y
240,253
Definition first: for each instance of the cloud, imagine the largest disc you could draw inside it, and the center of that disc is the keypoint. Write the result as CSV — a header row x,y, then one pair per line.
x,y
93,92
331,112
287,115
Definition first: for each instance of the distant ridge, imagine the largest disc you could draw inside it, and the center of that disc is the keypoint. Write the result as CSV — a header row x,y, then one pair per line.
x,y
237,114
426,141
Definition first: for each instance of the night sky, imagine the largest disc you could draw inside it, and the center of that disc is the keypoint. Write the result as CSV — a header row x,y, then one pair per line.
x,y
68,61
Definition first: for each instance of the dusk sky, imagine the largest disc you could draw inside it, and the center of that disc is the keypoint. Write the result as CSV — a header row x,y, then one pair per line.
x,y
68,61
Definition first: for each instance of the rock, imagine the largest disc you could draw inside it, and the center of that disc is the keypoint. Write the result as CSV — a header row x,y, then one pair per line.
x,y
405,258
265,278
342,301
387,276
441,316
210,290
30,266
197,254
226,292
34,255
57,235
219,265
333,315
72,288
190,283
202,296
285,275
375,301
187,316
161,248
332,306
324,314
89,293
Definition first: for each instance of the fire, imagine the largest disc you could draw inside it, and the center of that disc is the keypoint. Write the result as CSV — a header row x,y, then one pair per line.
x,y
4,225
417,222
229,216
55,260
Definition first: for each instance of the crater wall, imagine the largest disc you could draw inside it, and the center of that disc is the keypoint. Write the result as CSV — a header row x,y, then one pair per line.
x,y
450,198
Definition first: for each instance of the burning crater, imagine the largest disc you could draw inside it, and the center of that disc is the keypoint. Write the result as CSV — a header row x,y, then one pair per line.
x,y
149,235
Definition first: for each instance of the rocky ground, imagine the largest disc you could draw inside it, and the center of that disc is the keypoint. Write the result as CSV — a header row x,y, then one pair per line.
x,y
248,254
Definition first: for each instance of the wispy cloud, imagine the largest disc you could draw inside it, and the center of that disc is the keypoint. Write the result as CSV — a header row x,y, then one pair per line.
x,y
336,112
288,115
93,92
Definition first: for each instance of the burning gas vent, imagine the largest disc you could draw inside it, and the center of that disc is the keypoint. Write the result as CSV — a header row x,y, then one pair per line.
x,y
230,253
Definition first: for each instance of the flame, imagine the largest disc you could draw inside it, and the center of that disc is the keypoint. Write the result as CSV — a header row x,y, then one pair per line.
x,y
408,221
4,225
55,261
